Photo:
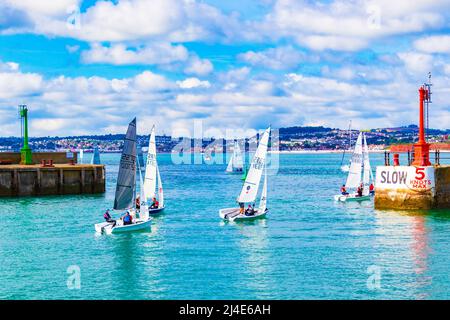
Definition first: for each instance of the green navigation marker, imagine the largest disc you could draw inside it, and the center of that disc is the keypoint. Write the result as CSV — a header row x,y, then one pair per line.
x,y
25,153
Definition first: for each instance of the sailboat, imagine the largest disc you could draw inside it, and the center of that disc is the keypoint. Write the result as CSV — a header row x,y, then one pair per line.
x,y
346,167
251,185
96,156
360,164
236,162
152,177
81,155
125,190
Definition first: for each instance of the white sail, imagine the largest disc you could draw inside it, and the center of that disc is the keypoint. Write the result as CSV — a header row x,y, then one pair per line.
x,y
230,165
150,169
96,156
81,155
354,174
251,184
263,201
238,162
160,190
367,169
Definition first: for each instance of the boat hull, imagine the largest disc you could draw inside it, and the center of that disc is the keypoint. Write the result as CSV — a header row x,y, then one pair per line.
x,y
351,198
232,214
154,212
107,227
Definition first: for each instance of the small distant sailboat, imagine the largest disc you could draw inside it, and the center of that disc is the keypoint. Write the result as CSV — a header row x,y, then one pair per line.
x,y
153,178
251,185
236,162
206,157
96,156
346,167
125,190
360,164
81,151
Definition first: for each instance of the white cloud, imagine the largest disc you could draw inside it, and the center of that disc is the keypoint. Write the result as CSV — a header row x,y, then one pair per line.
x,y
190,83
44,7
197,66
15,83
353,24
119,54
151,81
417,63
433,44
282,58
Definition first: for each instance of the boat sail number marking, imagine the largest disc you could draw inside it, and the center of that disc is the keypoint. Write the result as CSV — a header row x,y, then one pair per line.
x,y
258,163
128,162
151,160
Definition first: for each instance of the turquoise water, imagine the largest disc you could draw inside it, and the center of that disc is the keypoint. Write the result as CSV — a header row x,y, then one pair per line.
x,y
309,247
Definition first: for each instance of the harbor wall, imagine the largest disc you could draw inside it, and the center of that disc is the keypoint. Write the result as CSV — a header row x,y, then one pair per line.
x,y
16,180
442,197
57,157
412,188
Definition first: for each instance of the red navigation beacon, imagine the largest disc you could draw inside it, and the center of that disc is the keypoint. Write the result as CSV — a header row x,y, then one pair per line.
x,y
422,148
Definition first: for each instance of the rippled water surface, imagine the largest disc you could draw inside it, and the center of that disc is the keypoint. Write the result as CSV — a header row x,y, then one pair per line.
x,y
308,247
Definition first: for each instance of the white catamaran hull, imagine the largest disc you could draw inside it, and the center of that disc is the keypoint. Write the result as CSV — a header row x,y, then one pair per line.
x,y
232,214
107,227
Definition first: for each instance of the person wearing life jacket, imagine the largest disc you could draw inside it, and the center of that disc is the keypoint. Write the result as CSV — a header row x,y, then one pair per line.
x,y
250,211
371,189
344,190
138,203
241,208
127,218
359,192
155,204
108,218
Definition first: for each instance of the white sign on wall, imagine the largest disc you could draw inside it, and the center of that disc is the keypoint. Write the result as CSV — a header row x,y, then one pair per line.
x,y
405,177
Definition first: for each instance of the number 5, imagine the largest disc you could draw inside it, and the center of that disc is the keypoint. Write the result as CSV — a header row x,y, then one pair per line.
x,y
420,174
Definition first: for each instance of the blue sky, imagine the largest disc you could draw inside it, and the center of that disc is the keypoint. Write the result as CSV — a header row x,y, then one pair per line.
x,y
90,66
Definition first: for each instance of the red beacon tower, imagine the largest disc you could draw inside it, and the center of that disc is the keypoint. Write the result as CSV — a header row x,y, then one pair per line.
x,y
422,148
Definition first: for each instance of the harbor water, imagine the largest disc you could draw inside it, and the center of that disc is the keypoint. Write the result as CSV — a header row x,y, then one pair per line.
x,y
309,247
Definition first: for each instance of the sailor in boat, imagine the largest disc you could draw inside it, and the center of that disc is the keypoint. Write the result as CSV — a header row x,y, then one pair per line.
x,y
371,189
241,208
344,190
250,211
138,203
127,218
359,191
108,218
155,204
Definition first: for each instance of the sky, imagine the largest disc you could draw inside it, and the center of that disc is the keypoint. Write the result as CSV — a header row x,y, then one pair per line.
x,y
89,67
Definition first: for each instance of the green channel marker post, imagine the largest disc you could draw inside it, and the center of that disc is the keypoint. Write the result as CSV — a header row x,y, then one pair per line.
x,y
25,153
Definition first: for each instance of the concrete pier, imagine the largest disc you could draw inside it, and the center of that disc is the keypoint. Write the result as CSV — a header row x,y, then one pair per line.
x,y
412,187
60,179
